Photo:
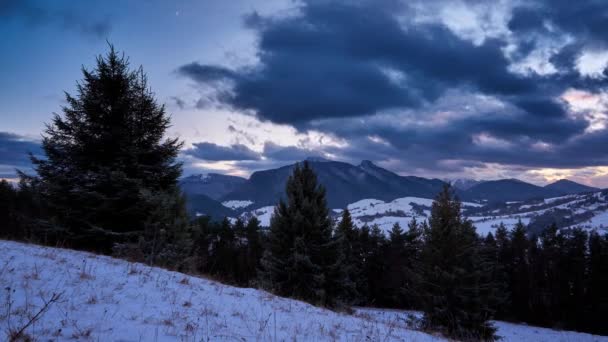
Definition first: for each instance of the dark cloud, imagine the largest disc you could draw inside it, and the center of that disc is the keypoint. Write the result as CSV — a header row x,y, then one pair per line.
x,y
276,152
206,73
345,60
213,152
586,20
38,13
337,66
14,153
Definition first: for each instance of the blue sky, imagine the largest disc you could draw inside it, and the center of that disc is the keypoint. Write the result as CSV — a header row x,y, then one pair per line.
x,y
440,88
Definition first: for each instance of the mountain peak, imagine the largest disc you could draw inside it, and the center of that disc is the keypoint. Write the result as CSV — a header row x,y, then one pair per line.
x,y
567,186
564,181
317,159
367,163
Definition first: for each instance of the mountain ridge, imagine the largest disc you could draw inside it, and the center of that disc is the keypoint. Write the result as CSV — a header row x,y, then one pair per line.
x,y
347,183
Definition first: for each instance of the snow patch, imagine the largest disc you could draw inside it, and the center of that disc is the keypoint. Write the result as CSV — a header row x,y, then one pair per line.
x,y
235,204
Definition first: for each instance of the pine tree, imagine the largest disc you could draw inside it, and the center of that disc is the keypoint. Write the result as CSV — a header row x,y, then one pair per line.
x,y
551,242
573,256
496,276
519,269
374,265
348,262
106,157
165,240
413,249
254,248
597,282
301,252
364,239
396,262
454,292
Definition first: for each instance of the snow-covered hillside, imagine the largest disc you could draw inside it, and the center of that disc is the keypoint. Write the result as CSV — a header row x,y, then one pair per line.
x,y
106,299
386,214
589,210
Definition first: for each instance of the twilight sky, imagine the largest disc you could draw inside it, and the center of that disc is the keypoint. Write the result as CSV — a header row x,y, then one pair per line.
x,y
439,88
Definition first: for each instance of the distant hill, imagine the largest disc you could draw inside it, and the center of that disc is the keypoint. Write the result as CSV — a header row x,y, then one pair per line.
x,y
199,204
565,186
506,190
345,183
212,185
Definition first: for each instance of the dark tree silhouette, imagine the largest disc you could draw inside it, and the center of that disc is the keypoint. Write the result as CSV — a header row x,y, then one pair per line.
x,y
107,159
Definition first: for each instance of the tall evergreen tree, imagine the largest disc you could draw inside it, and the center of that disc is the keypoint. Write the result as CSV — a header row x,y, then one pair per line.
x,y
107,157
374,264
348,261
597,283
519,269
572,264
254,248
395,274
413,248
550,286
453,289
301,252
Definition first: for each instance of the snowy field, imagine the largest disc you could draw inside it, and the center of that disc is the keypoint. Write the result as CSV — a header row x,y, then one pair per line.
x,y
98,298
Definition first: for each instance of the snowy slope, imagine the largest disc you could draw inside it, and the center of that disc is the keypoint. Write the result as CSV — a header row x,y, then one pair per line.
x,y
106,299
263,214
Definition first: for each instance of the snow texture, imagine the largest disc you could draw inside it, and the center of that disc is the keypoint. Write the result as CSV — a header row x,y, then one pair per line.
x,y
106,299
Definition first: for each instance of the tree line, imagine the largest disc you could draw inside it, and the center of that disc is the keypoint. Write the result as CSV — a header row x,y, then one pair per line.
x,y
108,183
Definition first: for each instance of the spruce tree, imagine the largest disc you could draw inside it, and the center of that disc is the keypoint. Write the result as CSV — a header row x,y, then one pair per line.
x,y
519,269
348,261
496,276
254,248
375,265
572,265
396,262
551,242
454,292
107,157
301,252
414,240
597,283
